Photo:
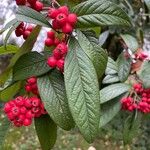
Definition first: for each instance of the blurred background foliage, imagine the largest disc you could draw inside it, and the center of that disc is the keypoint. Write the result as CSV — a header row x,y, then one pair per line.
x,y
111,136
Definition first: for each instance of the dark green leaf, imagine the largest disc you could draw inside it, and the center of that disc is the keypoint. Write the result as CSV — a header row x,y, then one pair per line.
x,y
82,90
53,94
144,74
112,67
30,64
46,130
112,91
130,41
96,13
131,127
4,127
10,49
124,67
97,55
110,79
29,15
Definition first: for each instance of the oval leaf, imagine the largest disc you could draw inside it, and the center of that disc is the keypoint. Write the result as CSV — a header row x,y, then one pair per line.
x,y
29,15
82,90
112,91
30,64
100,12
110,79
46,131
53,94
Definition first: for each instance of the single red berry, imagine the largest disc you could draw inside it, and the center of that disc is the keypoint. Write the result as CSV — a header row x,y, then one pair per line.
x,y
15,110
51,34
51,61
35,110
27,122
20,2
63,48
19,32
56,41
19,101
55,25
7,107
49,42
57,54
61,19
23,110
28,103
60,64
38,6
21,25
29,114
52,13
30,28
35,101
32,80
31,2
67,28
64,10
21,117
28,88
26,34
72,19
10,116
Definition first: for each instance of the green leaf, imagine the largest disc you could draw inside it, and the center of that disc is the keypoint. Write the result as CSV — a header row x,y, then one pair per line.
x,y
124,67
109,110
131,127
10,92
4,127
110,92
30,64
144,74
112,67
130,41
147,2
82,90
46,130
100,13
29,15
52,91
97,55
103,37
8,25
110,79
10,49
26,47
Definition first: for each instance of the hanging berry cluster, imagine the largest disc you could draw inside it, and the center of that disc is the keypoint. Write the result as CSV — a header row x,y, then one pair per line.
x,y
23,30
34,4
22,110
139,99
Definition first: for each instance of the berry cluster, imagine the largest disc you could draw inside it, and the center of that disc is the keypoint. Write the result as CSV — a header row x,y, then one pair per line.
x,y
24,31
140,99
57,58
35,4
22,110
62,19
31,85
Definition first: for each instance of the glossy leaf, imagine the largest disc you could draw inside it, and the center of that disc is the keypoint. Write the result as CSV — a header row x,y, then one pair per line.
x,y
29,15
110,79
46,131
124,67
100,13
30,64
52,91
110,92
82,90
130,41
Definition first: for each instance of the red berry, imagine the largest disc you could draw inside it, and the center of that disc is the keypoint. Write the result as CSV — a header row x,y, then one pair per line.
x,y
21,25
38,6
61,19
19,32
19,101
28,88
31,2
55,25
30,28
56,41
51,34
35,101
60,64
20,2
57,53
64,9
28,103
67,28
23,110
17,123
7,107
72,19
35,110
52,13
29,114
49,42
32,80
27,122
21,117
10,116
52,62
15,110
62,48
26,34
